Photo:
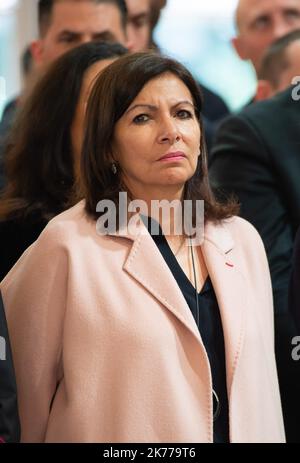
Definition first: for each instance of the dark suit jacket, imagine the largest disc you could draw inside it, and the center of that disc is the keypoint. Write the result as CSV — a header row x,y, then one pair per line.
x,y
9,420
213,111
294,296
256,156
214,108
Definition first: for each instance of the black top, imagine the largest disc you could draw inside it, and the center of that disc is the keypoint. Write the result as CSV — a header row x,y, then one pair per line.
x,y
294,293
16,235
211,331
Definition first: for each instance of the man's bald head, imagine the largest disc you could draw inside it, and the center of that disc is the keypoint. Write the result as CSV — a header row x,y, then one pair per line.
x,y
260,22
240,13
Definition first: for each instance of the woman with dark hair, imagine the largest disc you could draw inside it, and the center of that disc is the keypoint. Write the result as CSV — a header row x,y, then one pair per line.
x,y
129,334
44,152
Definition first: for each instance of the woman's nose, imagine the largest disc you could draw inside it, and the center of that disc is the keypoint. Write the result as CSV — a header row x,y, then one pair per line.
x,y
168,131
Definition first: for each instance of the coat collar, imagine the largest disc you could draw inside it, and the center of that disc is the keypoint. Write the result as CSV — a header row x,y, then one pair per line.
x,y
216,234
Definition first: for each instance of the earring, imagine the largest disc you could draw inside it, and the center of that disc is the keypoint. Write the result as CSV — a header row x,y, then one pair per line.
x,y
114,168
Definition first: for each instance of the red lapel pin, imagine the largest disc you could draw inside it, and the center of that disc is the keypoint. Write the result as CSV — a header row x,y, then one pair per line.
x,y
229,265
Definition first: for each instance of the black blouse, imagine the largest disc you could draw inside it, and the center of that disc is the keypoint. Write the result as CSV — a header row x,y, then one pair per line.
x,y
211,331
16,235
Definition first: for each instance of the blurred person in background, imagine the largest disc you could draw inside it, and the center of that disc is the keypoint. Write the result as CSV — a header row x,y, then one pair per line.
x,y
27,68
259,23
43,156
280,66
138,24
66,24
9,112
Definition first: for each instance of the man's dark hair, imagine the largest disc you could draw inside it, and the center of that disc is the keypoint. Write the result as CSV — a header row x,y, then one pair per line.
x,y
45,8
275,60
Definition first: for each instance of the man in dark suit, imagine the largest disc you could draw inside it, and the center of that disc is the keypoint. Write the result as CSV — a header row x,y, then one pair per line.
x,y
294,294
256,157
9,420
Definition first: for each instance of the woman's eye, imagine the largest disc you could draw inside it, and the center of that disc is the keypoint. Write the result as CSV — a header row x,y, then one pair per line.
x,y
184,114
141,118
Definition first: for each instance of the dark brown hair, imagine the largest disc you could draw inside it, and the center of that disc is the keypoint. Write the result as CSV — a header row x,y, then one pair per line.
x,y
113,92
39,156
45,8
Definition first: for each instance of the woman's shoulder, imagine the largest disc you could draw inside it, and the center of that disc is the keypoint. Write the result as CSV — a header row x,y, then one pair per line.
x,y
69,225
237,225
247,241
243,235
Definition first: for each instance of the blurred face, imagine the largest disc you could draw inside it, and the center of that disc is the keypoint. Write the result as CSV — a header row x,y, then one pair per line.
x,y
261,22
157,140
293,69
76,22
267,89
138,26
77,129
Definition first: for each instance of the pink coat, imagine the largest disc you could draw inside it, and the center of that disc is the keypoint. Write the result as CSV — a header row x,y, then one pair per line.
x,y
106,348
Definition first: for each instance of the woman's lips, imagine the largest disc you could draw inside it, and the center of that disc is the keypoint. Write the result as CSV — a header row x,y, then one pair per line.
x,y
173,156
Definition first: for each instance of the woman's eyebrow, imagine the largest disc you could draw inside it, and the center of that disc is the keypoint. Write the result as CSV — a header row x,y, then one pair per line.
x,y
155,108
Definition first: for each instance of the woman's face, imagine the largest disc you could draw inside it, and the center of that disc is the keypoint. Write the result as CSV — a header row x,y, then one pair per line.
x,y
77,129
157,140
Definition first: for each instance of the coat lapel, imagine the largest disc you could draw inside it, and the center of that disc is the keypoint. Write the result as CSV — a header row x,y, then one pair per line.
x,y
146,264
230,289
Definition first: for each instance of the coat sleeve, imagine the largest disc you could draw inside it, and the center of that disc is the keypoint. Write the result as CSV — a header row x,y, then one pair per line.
x,y
34,294
9,419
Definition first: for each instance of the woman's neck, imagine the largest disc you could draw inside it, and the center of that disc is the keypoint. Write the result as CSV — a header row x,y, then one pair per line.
x,y
164,205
